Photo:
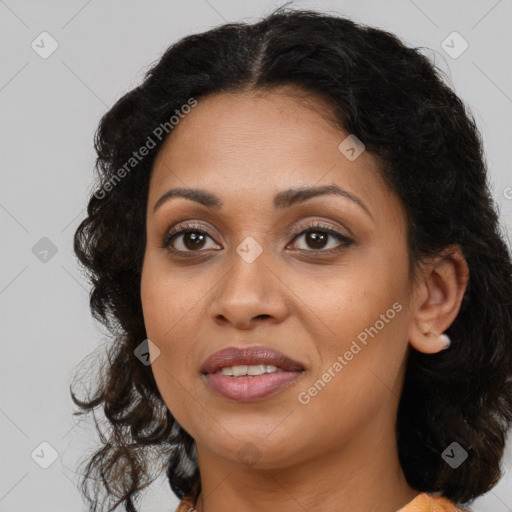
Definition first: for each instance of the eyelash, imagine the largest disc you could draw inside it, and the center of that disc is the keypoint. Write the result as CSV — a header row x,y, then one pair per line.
x,y
185,228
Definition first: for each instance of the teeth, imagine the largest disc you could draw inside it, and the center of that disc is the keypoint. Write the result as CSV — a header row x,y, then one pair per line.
x,y
259,369
242,370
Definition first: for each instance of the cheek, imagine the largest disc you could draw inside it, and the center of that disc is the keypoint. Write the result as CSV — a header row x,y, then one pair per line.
x,y
365,311
165,300
360,372
356,299
167,304
165,318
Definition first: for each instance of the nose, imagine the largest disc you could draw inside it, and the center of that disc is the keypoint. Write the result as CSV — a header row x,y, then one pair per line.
x,y
248,294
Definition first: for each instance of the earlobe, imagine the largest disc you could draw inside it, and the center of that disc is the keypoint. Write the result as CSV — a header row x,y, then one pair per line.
x,y
439,300
431,342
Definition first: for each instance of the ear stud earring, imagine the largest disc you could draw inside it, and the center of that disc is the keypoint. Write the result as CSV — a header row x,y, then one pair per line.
x,y
445,339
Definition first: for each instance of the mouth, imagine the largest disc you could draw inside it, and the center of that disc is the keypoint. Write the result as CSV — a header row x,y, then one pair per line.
x,y
250,373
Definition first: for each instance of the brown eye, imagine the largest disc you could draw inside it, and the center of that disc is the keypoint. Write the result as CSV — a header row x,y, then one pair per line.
x,y
186,238
317,237
189,240
193,240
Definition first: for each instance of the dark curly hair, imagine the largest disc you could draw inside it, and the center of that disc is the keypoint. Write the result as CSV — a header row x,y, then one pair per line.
x,y
395,100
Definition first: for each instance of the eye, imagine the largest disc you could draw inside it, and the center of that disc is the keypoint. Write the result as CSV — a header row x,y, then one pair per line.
x,y
317,236
193,238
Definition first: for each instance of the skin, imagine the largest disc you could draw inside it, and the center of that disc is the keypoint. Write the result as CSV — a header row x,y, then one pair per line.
x,y
337,452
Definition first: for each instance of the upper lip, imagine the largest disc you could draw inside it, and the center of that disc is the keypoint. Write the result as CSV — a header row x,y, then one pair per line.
x,y
233,356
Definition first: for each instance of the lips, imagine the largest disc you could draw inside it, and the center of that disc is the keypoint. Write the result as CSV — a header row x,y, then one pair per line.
x,y
233,356
250,388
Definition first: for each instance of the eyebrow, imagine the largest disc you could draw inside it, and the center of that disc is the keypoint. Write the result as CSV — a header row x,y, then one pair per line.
x,y
284,199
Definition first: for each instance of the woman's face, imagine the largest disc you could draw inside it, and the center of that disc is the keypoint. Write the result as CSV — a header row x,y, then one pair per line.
x,y
338,306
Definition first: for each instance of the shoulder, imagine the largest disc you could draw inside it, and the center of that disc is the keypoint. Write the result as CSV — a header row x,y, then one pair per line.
x,y
185,505
426,502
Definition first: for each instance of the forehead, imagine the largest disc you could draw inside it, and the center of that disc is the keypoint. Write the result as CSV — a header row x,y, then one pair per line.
x,y
252,145
266,125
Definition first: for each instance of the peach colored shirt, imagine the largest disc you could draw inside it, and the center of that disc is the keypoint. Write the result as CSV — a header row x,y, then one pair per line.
x,y
422,503
430,503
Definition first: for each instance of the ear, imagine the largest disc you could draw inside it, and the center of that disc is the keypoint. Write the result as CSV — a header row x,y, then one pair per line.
x,y
437,301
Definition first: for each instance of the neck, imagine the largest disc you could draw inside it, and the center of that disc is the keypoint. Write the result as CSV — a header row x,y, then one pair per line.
x,y
365,476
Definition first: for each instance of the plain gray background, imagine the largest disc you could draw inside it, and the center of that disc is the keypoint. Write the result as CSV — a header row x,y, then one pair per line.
x,y
50,108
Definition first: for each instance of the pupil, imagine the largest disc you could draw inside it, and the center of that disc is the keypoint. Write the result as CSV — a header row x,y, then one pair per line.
x,y
194,238
317,239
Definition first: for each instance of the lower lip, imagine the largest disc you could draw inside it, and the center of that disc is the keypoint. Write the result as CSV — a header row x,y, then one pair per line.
x,y
248,389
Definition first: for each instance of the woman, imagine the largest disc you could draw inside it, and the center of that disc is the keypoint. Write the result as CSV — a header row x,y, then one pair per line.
x,y
293,244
